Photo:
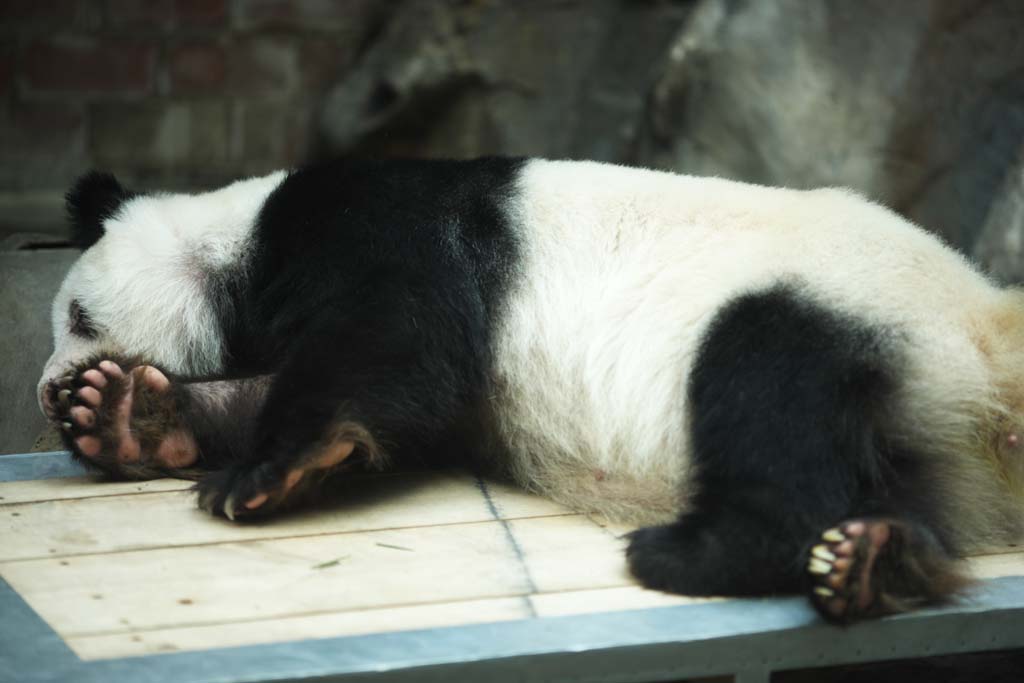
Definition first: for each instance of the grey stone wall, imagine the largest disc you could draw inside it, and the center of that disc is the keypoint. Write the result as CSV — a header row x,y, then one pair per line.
x,y
917,103
167,92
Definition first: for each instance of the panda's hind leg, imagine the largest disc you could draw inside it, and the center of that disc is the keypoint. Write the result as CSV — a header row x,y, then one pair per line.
x,y
788,405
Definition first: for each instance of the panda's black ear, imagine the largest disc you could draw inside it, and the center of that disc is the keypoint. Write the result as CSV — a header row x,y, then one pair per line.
x,y
93,198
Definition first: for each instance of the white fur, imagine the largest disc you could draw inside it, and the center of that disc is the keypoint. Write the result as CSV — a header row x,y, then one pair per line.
x,y
625,268
144,282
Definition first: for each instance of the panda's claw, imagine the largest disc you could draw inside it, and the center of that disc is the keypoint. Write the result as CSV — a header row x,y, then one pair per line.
x,y
823,553
229,507
206,500
833,535
219,492
64,398
820,567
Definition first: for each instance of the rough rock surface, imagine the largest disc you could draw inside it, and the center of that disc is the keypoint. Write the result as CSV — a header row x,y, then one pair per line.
x,y
1000,244
28,283
918,104
562,79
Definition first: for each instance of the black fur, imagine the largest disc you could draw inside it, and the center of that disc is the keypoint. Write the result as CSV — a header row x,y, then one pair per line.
x,y
371,295
94,198
223,417
789,403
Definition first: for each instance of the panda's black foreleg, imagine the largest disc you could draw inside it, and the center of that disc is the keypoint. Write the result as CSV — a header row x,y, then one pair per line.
x,y
788,403
361,386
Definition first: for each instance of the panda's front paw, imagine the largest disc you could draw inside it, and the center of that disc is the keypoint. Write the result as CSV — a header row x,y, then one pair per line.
x,y
258,488
122,420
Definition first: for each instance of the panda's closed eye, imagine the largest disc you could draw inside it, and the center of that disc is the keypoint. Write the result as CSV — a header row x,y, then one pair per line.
x,y
79,321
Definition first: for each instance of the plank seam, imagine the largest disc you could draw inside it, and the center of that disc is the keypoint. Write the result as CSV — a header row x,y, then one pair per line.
x,y
517,550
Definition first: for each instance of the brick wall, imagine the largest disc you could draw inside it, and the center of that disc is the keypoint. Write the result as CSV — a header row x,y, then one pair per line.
x,y
172,93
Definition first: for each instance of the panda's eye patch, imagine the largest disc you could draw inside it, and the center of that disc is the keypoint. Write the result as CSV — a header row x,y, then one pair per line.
x,y
79,321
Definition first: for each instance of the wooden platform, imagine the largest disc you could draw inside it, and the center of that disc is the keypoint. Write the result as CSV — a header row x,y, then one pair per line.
x,y
122,571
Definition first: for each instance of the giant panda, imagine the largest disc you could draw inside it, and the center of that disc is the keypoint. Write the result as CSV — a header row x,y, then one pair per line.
x,y
783,390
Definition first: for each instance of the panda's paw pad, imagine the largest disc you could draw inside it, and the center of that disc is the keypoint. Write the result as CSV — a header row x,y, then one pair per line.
x,y
90,404
110,418
841,567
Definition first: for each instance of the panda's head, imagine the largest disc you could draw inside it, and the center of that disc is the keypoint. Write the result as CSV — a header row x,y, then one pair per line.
x,y
140,286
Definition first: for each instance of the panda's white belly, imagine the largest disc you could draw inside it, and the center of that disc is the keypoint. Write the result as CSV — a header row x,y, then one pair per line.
x,y
622,272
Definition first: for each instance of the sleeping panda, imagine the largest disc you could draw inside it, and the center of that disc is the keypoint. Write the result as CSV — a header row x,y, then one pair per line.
x,y
784,390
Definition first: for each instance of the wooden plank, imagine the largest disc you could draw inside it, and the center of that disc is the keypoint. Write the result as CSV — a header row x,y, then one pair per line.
x,y
394,552
361,622
995,566
81,487
285,629
512,502
634,597
65,528
74,526
190,586
607,600
570,553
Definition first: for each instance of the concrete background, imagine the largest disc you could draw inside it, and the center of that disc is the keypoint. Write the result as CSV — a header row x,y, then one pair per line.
x,y
919,104
28,281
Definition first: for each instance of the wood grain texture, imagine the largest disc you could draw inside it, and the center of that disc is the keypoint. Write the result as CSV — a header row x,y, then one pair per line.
x,y
81,487
164,518
301,627
133,568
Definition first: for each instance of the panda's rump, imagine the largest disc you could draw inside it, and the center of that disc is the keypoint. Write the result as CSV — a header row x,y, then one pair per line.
x,y
622,271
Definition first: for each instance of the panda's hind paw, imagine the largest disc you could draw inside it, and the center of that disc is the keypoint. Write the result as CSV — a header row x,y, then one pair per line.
x,y
122,420
876,566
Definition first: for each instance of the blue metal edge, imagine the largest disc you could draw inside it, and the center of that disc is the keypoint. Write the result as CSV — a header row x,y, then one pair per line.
x,y
49,465
647,644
